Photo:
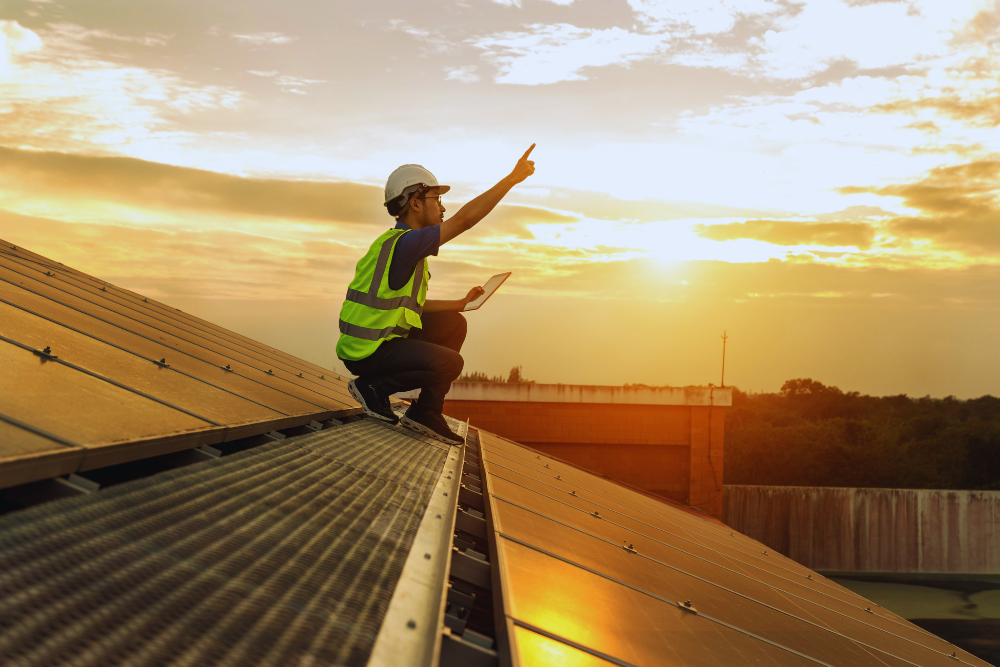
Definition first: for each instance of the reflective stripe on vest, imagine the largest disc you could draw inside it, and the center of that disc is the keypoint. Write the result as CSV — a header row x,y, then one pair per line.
x,y
371,334
357,340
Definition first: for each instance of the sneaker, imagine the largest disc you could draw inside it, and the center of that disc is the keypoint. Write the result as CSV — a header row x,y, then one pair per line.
x,y
374,403
431,424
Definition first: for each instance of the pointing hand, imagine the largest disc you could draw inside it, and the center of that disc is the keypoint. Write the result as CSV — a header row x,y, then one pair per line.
x,y
524,167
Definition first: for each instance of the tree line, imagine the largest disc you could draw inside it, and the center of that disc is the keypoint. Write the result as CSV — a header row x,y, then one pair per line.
x,y
810,434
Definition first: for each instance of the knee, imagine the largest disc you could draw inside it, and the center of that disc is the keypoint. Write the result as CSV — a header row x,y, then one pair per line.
x,y
452,364
457,323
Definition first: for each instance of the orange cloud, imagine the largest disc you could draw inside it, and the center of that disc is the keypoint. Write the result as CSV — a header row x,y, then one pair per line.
x,y
789,233
153,184
959,206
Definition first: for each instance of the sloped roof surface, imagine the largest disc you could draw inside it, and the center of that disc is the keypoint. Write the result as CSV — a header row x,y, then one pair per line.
x,y
287,553
593,573
97,375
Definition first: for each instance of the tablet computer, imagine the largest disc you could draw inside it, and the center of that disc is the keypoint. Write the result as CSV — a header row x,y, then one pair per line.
x,y
491,286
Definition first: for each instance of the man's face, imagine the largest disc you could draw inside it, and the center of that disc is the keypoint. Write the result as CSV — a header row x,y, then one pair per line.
x,y
428,209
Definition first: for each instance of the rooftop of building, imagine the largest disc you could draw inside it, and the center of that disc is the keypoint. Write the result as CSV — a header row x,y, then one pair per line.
x,y
177,493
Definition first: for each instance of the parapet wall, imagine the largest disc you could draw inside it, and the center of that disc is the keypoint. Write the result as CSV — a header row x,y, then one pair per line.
x,y
872,530
667,441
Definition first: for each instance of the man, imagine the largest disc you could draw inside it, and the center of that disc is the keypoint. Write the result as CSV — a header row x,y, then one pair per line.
x,y
391,336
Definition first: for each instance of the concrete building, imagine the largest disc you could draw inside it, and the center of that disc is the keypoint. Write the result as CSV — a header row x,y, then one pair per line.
x,y
666,441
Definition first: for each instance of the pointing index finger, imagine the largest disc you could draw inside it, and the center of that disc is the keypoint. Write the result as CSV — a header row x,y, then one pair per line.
x,y
528,152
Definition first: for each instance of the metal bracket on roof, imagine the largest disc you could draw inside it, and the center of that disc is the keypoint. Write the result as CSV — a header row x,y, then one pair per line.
x,y
471,566
46,353
51,489
467,650
315,425
275,435
469,522
687,606
80,483
472,496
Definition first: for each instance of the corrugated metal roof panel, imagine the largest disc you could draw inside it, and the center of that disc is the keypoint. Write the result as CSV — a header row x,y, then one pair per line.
x,y
125,377
609,572
287,553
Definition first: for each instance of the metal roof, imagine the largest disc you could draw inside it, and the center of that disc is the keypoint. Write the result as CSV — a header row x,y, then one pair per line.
x,y
97,375
198,533
592,571
285,553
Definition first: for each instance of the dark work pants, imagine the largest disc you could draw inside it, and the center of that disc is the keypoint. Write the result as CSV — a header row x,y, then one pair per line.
x,y
428,360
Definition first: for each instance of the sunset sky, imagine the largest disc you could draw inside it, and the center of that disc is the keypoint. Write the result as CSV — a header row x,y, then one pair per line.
x,y
819,179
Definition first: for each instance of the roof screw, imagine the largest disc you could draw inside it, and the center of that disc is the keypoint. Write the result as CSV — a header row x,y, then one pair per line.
x,y
300,374
47,350
163,360
869,610
546,465
558,477
145,300
411,624
103,288
49,273
269,372
538,457
597,514
809,576
731,535
954,654
228,367
572,493
322,377
765,553
687,603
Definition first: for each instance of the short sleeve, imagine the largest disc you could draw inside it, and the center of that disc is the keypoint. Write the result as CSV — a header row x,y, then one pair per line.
x,y
414,245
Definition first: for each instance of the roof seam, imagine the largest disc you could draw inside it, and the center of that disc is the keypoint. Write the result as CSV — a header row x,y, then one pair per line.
x,y
167,332
719,586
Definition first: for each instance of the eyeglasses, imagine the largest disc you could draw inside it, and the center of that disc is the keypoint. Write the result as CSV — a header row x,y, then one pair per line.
x,y
438,197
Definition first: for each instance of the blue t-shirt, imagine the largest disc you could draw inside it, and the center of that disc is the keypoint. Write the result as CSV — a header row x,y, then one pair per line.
x,y
410,249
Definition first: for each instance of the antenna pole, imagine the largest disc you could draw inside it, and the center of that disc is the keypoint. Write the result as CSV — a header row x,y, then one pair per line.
x,y
724,337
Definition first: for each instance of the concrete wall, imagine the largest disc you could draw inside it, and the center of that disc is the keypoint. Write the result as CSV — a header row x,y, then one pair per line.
x,y
872,530
673,447
586,393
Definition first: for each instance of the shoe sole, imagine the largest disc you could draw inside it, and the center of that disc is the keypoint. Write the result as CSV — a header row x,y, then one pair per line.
x,y
430,433
364,406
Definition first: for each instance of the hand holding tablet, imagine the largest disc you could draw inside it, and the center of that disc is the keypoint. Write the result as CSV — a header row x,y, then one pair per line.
x,y
491,286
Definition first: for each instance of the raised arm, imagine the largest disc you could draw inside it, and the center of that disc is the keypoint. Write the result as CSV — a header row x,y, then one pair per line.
x,y
476,210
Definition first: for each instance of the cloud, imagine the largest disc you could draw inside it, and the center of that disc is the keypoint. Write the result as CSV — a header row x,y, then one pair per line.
x,y
465,74
57,93
511,220
789,233
978,110
15,41
262,38
152,184
959,207
76,33
545,54
699,16
793,41
855,213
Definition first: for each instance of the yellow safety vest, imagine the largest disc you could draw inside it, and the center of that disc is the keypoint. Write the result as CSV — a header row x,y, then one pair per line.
x,y
372,313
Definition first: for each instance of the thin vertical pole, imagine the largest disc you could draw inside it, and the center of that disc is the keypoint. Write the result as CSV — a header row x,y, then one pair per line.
x,y
724,337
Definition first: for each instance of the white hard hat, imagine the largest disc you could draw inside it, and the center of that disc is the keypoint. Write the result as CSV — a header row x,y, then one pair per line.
x,y
408,175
